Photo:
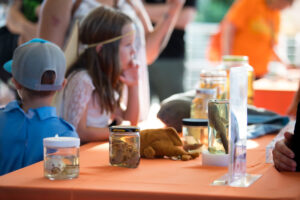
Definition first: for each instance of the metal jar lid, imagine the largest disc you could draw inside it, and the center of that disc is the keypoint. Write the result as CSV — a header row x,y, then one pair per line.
x,y
194,122
209,91
232,58
124,129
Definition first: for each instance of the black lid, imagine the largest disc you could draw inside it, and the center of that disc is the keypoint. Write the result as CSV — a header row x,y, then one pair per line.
x,y
194,122
124,129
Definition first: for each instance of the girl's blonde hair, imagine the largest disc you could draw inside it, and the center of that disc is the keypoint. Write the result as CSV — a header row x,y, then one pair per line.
x,y
103,23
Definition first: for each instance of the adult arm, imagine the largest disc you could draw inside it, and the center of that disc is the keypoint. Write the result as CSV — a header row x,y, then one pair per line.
x,y
156,12
18,24
283,155
54,20
90,134
157,39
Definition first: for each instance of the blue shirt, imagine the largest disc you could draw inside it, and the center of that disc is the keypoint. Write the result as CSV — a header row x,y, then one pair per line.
x,y
22,134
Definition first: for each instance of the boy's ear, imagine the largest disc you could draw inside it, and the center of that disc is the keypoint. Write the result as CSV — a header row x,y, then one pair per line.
x,y
17,85
64,84
98,48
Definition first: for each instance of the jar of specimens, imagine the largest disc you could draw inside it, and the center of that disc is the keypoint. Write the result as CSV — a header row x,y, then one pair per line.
x,y
195,134
214,78
61,157
199,103
218,126
230,61
124,146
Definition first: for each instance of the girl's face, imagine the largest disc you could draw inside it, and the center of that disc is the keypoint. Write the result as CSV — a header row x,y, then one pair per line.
x,y
126,49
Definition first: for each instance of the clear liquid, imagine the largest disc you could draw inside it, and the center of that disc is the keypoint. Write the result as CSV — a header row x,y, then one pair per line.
x,y
124,150
250,90
238,163
218,134
61,166
250,94
194,138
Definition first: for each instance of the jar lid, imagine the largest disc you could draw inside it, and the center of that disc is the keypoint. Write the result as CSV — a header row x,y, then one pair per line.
x,y
124,129
61,142
215,72
234,58
194,122
210,91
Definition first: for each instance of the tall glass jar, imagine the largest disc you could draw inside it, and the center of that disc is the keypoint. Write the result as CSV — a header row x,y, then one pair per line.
x,y
124,146
214,78
229,61
61,157
199,103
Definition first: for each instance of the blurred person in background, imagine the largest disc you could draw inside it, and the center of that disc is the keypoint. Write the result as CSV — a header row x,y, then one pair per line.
x,y
166,73
250,28
21,26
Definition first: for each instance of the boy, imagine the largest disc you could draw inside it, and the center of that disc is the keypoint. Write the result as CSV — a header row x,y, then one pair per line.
x,y
38,69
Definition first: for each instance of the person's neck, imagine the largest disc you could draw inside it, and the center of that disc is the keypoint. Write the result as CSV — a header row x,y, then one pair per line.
x,y
34,103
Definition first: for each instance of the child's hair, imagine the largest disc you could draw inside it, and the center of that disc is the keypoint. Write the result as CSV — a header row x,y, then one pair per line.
x,y
102,24
48,77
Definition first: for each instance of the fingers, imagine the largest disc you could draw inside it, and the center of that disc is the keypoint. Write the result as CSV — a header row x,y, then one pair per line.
x,y
283,163
288,136
283,149
283,157
280,166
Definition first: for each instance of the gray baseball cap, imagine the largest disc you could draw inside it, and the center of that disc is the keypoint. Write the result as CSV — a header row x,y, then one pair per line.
x,y
32,59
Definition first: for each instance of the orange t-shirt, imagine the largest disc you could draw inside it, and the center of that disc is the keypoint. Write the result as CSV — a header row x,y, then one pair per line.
x,y
257,28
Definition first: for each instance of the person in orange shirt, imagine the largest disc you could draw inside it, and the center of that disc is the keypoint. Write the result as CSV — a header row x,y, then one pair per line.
x,y
250,28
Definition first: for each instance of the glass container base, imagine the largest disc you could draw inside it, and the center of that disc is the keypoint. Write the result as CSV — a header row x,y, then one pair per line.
x,y
246,181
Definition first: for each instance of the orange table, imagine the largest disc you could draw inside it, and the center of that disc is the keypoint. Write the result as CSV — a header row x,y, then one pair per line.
x,y
153,179
276,94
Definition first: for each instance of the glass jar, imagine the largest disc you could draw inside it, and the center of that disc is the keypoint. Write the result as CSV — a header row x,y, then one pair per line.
x,y
124,146
61,157
218,125
229,61
199,103
214,78
195,135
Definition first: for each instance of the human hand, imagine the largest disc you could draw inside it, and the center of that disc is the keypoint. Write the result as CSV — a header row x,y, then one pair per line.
x,y
283,155
129,75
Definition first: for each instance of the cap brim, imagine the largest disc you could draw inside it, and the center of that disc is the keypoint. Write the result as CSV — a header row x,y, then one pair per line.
x,y
7,66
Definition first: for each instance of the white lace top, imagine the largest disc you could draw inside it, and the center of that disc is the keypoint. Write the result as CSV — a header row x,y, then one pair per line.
x,y
79,93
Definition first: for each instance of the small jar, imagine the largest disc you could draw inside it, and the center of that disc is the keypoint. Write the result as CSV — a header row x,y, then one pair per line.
x,y
124,146
214,78
229,61
199,103
195,134
61,157
218,126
